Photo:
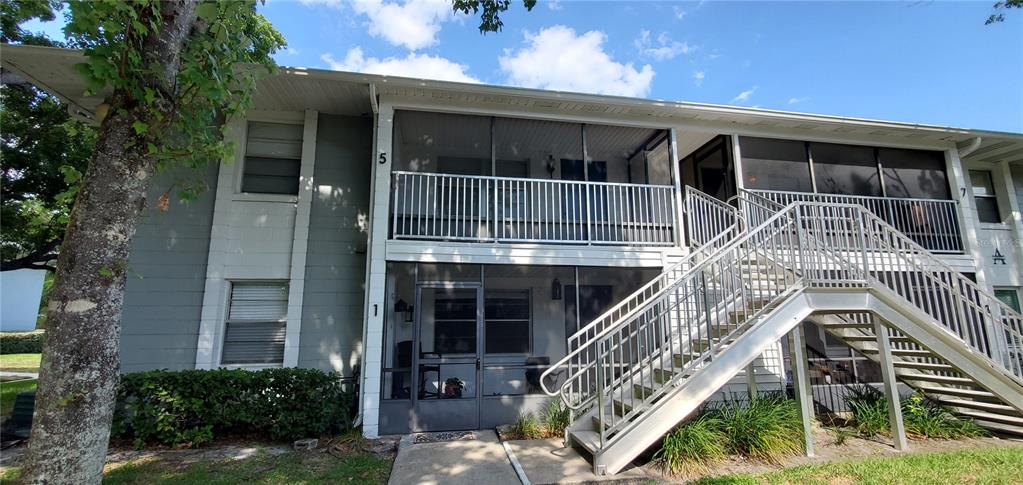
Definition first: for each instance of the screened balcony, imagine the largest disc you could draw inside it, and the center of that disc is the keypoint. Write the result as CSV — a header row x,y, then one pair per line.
x,y
908,189
480,179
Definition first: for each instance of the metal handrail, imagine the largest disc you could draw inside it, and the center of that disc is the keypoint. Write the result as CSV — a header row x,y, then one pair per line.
x,y
578,359
805,244
932,223
477,208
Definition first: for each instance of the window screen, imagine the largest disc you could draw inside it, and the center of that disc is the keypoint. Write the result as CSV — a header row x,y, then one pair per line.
x,y
256,324
454,326
984,196
1009,296
273,158
845,169
507,320
775,164
917,174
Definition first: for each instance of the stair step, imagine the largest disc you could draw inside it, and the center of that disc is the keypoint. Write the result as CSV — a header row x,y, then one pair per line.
x,y
684,358
915,376
849,325
957,391
923,366
998,418
663,375
901,352
873,338
979,405
1000,427
640,391
589,440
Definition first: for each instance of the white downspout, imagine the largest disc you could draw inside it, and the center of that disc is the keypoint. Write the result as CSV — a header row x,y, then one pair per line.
x,y
965,151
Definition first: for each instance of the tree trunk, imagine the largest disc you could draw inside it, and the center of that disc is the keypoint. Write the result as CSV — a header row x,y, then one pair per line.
x,y
81,354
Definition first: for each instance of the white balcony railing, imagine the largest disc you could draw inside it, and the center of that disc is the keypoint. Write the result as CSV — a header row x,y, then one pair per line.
x,y
931,223
432,206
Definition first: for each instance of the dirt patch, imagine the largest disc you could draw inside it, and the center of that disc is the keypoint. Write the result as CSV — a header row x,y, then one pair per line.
x,y
827,449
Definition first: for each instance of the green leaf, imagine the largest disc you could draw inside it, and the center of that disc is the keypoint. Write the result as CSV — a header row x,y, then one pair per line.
x,y
140,127
207,11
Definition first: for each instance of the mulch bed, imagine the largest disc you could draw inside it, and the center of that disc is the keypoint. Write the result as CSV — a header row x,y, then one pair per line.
x,y
419,438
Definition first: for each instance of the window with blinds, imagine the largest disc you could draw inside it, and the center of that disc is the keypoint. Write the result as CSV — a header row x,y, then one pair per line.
x,y
256,324
273,158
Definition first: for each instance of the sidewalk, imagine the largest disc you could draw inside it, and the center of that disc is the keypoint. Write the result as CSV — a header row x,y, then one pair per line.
x,y
479,461
26,375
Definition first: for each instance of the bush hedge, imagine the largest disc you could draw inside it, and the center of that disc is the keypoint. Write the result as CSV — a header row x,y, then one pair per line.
x,y
193,407
21,342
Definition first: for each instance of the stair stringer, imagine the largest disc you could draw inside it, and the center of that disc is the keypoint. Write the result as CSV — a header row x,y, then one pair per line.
x,y
898,313
701,385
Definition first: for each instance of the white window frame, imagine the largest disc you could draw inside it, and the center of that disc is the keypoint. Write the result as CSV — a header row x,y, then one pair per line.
x,y
227,319
283,117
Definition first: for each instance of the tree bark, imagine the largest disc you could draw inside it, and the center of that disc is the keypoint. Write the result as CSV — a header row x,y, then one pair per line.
x,y
81,354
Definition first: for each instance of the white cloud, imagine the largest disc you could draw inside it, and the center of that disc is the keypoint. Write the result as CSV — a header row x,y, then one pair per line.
x,y
555,5
698,77
413,23
679,13
797,100
557,58
745,95
663,49
413,65
291,51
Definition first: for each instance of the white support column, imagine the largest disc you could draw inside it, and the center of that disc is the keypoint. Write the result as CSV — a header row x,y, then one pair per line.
x,y
751,381
676,176
891,387
376,271
300,240
801,385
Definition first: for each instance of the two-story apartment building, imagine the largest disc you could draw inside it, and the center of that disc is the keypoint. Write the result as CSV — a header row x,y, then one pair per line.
x,y
469,248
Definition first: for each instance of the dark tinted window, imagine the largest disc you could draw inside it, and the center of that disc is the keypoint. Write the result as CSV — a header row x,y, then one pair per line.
x,y
273,153
507,320
775,164
845,169
918,174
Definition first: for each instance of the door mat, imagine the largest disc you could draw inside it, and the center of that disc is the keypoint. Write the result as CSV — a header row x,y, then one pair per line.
x,y
443,436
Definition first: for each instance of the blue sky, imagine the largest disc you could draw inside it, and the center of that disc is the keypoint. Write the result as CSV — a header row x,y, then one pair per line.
x,y
923,61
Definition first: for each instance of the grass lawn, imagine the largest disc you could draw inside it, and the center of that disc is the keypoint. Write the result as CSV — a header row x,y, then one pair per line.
x,y
9,390
983,465
20,362
290,468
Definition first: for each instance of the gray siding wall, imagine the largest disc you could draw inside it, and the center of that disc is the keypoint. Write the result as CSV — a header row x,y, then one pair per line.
x,y
166,278
332,312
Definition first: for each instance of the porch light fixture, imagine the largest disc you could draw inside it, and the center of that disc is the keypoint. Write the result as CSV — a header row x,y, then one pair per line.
x,y
556,289
401,307
549,166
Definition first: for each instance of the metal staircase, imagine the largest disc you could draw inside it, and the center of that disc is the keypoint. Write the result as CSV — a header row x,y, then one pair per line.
x,y
653,359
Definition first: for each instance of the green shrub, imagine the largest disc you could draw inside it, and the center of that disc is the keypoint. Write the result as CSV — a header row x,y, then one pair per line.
x,y
21,342
925,418
527,427
692,447
922,417
870,411
193,407
766,428
555,418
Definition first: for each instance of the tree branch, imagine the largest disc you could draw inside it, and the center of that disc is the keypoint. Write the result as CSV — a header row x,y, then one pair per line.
x,y
37,259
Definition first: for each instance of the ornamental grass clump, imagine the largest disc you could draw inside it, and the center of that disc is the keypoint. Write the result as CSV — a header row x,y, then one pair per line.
x,y
555,418
766,428
527,427
692,447
922,417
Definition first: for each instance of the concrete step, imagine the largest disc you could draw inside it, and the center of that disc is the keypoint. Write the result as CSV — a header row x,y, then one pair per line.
x,y
681,359
976,394
992,417
873,338
980,405
1001,428
589,440
640,391
663,375
840,325
918,376
902,364
901,352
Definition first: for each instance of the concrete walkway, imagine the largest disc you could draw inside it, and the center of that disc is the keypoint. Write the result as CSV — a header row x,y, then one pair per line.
x,y
549,462
25,375
480,461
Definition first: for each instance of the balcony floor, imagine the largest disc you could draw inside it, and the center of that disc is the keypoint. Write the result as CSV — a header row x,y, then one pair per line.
x,y
533,254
